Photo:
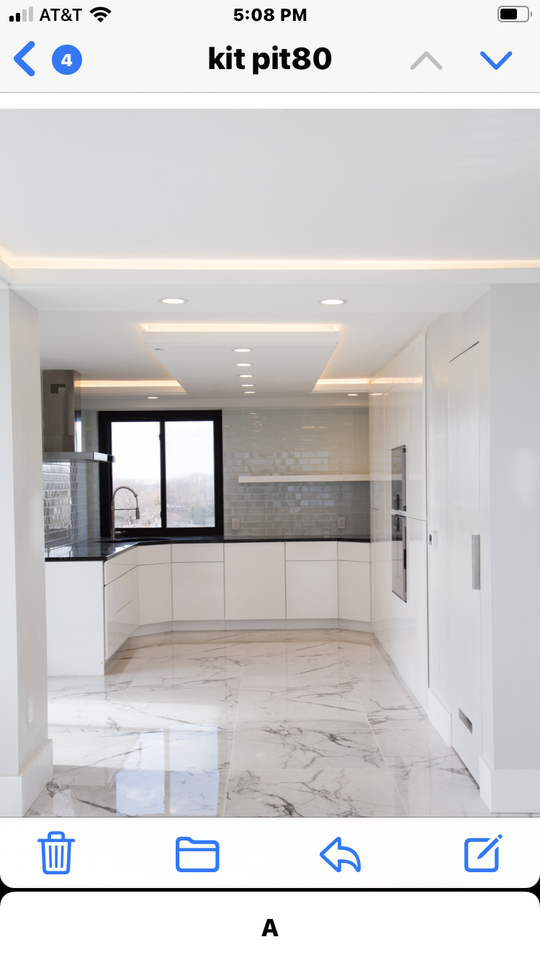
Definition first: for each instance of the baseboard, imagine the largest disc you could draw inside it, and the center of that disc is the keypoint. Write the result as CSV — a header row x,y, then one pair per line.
x,y
17,794
440,717
148,628
192,625
363,626
509,791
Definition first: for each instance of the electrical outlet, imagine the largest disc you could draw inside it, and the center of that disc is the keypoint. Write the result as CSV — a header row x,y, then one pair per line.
x,y
235,523
341,523
29,709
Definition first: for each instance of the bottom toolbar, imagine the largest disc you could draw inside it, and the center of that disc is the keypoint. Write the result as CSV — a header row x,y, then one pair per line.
x,y
264,854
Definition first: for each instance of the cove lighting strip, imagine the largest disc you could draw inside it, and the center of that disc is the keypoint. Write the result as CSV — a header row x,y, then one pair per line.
x,y
85,263
129,383
340,383
240,327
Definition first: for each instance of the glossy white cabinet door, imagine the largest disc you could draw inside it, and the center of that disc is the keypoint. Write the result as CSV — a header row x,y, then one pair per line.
x,y
120,610
354,582
155,600
354,551
312,590
255,581
197,552
198,591
311,550
75,630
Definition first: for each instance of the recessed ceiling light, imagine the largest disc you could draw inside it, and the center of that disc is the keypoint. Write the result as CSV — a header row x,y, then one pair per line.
x,y
249,391
244,375
375,394
332,303
172,300
352,394
152,398
242,350
243,364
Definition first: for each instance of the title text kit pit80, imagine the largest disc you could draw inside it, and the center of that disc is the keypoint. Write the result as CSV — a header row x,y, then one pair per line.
x,y
257,14
301,58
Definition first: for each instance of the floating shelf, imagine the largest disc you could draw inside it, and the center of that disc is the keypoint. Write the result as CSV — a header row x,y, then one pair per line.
x,y
78,457
304,478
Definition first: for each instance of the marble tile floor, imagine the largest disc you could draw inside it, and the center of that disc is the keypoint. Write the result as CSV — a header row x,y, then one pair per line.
x,y
274,723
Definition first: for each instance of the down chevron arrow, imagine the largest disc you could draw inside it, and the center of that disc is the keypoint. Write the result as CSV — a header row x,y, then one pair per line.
x,y
492,62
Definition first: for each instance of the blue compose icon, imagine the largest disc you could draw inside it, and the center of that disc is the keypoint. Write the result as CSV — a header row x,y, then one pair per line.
x,y
476,848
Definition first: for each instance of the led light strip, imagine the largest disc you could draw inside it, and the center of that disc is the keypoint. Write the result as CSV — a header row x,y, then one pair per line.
x,y
85,263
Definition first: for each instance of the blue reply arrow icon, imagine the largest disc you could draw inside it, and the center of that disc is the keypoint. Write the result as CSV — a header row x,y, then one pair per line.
x,y
335,855
19,58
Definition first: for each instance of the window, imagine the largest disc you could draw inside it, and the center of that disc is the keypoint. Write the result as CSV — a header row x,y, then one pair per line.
x,y
167,473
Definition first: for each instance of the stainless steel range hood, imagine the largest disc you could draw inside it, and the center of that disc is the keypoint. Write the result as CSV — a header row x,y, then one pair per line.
x,y
62,433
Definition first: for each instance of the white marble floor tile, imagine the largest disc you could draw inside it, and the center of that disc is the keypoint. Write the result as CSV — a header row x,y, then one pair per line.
x,y
295,722
313,793
438,787
305,745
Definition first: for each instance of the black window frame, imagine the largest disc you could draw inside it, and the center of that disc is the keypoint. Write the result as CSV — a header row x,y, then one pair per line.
x,y
105,419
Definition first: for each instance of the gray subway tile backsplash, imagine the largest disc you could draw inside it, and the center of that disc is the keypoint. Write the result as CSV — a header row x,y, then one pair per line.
x,y
71,494
270,441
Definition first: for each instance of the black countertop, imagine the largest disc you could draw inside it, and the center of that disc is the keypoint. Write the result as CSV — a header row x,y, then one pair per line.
x,y
106,550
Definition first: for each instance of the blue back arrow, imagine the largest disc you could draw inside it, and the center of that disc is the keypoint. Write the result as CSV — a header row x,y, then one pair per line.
x,y
18,58
350,856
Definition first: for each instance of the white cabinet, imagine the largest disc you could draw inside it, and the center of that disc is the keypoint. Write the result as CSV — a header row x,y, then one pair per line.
x,y
197,552
154,581
118,566
255,581
121,610
198,591
354,590
75,627
312,589
311,550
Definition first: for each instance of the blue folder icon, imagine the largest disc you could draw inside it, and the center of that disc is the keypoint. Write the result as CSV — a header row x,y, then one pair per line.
x,y
197,856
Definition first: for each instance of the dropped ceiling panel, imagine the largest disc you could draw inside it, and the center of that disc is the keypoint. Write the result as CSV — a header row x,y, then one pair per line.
x,y
281,364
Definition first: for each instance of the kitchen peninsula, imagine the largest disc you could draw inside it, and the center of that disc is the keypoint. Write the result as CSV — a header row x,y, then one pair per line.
x,y
100,593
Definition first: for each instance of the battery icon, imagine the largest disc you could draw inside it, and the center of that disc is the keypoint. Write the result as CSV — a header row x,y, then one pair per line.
x,y
513,14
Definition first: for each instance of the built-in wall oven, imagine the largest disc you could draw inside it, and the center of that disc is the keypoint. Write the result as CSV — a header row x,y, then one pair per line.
x,y
398,514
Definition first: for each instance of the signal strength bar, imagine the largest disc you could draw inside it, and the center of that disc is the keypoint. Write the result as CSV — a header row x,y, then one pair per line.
x,y
23,16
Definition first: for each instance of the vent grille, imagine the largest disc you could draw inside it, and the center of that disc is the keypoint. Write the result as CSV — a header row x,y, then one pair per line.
x,y
465,720
58,389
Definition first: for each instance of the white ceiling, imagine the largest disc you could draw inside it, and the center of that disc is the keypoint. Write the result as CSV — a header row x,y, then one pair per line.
x,y
373,184
335,184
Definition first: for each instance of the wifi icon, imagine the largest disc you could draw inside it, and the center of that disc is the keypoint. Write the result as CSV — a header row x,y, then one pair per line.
x,y
100,13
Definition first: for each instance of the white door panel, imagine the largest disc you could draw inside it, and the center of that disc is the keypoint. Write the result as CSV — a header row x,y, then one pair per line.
x,y
464,516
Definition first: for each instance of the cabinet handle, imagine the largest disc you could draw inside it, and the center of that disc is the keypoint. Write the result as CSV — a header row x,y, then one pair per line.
x,y
475,543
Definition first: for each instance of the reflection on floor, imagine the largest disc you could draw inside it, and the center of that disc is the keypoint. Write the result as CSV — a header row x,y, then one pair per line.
x,y
281,723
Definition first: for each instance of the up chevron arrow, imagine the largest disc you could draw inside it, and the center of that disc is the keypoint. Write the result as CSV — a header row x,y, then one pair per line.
x,y
492,62
20,61
425,56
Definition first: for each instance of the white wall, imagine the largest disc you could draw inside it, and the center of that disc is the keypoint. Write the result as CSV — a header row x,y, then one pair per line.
x,y
25,752
513,752
398,417
506,322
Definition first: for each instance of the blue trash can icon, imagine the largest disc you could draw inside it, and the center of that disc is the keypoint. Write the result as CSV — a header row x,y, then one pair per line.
x,y
56,852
